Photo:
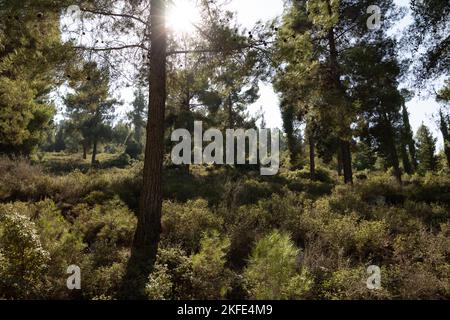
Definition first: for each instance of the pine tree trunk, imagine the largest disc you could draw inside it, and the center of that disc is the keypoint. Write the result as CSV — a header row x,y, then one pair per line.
x,y
94,153
230,113
339,162
84,151
392,150
405,159
347,162
147,235
287,114
312,158
408,143
445,123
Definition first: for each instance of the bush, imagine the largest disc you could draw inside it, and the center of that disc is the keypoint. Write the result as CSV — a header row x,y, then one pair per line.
x,y
122,161
249,191
420,266
64,245
246,223
351,284
133,149
172,276
211,279
321,174
431,188
23,260
111,222
183,224
19,180
271,272
104,282
159,286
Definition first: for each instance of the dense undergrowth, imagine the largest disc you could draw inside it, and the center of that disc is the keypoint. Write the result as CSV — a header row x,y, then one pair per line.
x,y
227,234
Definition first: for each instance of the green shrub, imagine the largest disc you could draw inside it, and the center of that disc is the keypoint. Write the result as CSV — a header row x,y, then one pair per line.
x,y
19,180
133,149
246,223
321,174
122,161
183,224
172,276
112,222
23,260
351,284
271,272
432,214
102,282
211,279
431,188
420,266
250,191
63,244
159,286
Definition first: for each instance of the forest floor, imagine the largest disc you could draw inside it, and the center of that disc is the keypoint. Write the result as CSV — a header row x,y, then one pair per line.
x,y
227,233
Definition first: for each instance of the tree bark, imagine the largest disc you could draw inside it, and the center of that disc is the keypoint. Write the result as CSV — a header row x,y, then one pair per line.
x,y
84,151
392,150
339,162
230,112
94,153
347,162
445,123
405,159
312,158
147,235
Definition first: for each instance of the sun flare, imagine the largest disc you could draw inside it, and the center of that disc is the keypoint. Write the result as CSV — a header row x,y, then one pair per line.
x,y
182,15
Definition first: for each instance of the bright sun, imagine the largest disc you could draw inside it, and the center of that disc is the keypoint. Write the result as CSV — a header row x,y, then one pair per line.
x,y
182,14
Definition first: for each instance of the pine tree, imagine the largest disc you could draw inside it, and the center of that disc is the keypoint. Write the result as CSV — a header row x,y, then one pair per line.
x,y
146,21
444,118
137,116
429,35
90,108
31,59
426,149
408,146
60,144
319,49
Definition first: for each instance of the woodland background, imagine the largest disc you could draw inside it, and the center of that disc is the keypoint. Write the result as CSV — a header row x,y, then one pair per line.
x,y
357,187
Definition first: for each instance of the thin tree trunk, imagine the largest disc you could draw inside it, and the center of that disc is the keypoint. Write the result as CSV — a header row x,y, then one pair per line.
x,y
446,135
339,162
405,159
287,114
94,153
230,112
84,150
347,162
147,235
393,155
312,158
396,164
